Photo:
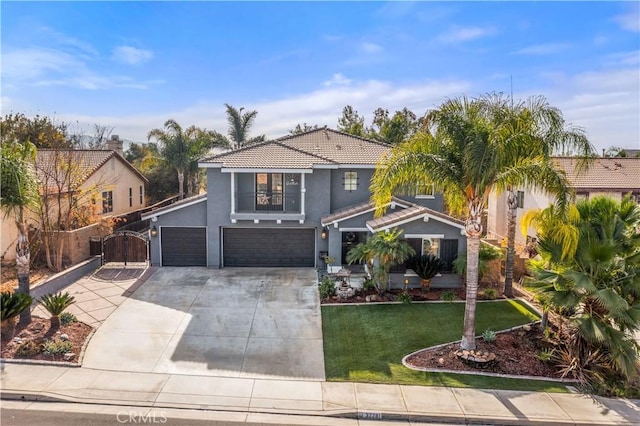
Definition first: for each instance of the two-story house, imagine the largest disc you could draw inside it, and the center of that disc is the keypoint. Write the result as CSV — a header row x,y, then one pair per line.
x,y
290,201
612,177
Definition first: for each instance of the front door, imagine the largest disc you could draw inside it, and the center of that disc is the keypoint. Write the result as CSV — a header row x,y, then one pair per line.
x,y
269,195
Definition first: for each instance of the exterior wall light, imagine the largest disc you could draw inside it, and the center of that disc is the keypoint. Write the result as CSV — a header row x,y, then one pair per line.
x,y
323,234
154,231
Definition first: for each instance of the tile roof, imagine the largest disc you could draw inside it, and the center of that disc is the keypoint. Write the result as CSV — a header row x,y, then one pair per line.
x,y
399,217
303,151
603,173
267,155
356,210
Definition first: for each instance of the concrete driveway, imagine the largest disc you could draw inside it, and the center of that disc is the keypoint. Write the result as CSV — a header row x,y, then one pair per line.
x,y
233,322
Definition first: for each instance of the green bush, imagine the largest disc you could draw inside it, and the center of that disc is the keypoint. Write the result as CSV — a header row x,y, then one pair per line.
x,y
490,293
404,298
57,303
67,318
57,347
545,355
28,349
489,335
327,288
13,304
368,284
448,296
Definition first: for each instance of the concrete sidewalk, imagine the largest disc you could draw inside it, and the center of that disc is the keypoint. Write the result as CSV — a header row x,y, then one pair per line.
x,y
312,398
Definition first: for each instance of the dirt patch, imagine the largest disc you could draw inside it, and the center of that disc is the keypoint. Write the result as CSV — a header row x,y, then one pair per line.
x,y
30,341
517,353
10,279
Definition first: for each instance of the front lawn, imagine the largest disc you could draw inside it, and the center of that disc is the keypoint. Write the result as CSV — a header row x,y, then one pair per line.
x,y
366,343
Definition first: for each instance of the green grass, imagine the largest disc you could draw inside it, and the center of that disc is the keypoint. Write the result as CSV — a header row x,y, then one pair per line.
x,y
366,343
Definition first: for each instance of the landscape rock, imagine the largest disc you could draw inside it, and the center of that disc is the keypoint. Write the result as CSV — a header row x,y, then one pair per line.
x,y
38,327
17,340
64,337
441,361
526,327
69,356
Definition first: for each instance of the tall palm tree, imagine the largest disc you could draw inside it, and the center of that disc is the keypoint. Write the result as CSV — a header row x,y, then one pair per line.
x,y
19,191
239,125
533,129
182,148
598,278
461,151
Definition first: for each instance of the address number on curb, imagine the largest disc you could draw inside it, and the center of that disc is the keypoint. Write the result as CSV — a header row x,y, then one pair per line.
x,y
370,416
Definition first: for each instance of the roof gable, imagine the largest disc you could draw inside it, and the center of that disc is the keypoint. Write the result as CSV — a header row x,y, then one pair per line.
x,y
303,151
357,210
415,212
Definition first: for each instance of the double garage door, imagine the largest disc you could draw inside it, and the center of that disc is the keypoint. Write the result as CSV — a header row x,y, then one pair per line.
x,y
258,247
265,247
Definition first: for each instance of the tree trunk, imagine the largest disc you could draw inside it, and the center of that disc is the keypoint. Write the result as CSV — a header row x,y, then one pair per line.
x,y
181,184
512,204
474,230
23,259
469,329
544,320
55,322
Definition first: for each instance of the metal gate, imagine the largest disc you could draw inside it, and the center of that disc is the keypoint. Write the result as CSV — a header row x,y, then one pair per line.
x,y
125,246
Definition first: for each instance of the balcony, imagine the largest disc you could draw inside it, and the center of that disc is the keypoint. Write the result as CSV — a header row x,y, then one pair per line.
x,y
267,205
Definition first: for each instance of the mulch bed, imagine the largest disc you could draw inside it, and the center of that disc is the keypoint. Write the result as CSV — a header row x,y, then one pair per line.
x,y
516,354
417,295
28,341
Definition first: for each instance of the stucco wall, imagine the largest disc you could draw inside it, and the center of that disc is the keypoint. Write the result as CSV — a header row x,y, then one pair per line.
x,y
115,176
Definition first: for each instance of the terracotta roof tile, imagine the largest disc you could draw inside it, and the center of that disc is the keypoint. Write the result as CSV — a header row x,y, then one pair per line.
x,y
302,151
603,173
401,216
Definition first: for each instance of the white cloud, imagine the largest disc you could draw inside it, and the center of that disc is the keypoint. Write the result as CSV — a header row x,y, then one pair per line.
x,y
457,34
131,55
630,20
544,49
371,47
337,80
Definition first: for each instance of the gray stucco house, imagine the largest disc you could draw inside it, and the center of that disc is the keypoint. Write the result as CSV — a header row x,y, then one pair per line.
x,y
290,201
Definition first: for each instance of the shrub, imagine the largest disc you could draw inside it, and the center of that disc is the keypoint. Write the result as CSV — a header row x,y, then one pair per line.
x,y
426,266
404,298
490,293
28,349
13,304
327,288
56,304
368,284
448,296
545,355
67,318
57,347
489,335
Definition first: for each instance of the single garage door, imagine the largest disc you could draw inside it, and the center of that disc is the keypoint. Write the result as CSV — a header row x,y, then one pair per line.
x,y
183,246
266,247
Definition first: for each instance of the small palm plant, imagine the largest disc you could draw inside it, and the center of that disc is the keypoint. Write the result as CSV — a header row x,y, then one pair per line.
x,y
12,305
426,267
56,304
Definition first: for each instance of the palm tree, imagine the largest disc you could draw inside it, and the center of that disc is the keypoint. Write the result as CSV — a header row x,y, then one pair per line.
x,y
19,191
534,129
239,125
461,150
596,275
384,248
182,148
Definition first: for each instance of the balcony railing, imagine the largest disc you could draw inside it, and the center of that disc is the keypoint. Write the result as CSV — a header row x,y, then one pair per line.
x,y
267,202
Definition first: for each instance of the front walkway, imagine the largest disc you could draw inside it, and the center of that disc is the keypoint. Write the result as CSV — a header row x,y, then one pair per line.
x,y
99,294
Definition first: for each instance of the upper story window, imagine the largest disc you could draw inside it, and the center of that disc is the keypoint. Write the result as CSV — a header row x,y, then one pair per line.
x,y
520,198
350,181
425,190
107,202
431,246
141,192
130,197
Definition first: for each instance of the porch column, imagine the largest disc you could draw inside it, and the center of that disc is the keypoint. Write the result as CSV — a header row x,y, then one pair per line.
x,y
303,190
233,192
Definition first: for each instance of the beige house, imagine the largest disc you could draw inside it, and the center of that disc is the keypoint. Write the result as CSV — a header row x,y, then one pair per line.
x,y
101,183
612,177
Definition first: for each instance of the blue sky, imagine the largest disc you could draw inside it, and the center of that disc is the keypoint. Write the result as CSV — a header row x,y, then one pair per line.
x,y
132,65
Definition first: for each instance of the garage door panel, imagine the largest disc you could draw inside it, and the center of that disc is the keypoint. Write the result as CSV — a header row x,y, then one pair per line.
x,y
264,247
183,246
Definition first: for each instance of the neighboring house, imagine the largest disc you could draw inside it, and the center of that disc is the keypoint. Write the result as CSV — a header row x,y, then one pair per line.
x,y
612,176
290,201
105,183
